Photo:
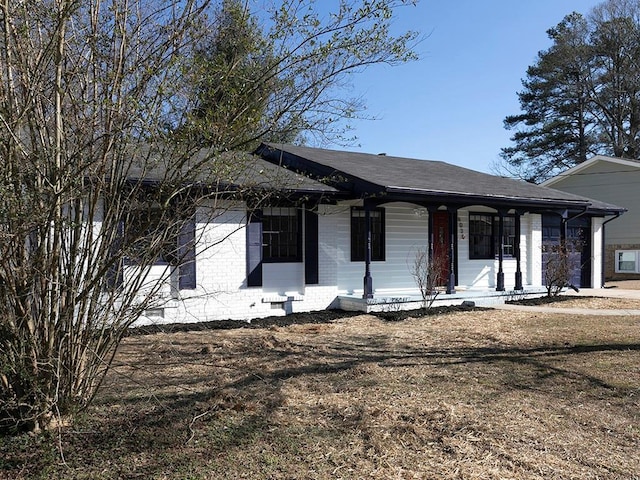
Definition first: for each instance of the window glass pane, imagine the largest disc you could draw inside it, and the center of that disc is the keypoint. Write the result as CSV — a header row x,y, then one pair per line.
x,y
150,234
508,242
480,236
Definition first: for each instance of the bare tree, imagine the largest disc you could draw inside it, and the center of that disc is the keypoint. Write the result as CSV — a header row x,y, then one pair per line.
x,y
83,90
98,198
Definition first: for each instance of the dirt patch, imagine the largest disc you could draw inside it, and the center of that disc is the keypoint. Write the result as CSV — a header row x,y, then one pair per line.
x,y
302,318
322,316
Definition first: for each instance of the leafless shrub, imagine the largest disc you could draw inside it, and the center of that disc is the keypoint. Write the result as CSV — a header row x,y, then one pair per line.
x,y
561,260
428,273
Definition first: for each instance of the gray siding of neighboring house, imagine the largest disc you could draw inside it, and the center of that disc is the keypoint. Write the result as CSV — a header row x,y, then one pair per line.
x,y
616,184
611,183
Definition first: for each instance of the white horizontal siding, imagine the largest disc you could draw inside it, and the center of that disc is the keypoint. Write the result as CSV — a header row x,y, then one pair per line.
x,y
404,233
221,291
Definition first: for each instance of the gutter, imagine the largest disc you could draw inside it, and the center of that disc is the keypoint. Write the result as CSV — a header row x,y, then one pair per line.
x,y
488,199
566,222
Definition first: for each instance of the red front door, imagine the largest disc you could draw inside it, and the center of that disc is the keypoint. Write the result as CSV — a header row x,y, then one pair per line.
x,y
441,246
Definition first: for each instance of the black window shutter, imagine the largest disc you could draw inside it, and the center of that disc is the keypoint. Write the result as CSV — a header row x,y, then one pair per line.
x,y
254,249
187,255
311,248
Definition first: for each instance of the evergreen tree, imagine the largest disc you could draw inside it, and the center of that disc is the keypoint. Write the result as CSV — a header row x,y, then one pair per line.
x,y
581,97
230,90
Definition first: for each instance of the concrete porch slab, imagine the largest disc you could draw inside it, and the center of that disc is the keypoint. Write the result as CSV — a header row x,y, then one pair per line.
x,y
382,302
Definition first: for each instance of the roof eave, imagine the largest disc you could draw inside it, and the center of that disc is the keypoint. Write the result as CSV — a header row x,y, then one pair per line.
x,y
483,199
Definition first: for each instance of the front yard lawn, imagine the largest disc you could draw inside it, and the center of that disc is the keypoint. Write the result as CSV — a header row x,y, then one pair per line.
x,y
475,394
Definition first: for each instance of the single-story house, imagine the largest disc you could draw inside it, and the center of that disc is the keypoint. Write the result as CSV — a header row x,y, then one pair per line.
x,y
347,232
611,180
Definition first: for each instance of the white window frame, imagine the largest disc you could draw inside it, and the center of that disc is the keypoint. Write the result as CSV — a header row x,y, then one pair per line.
x,y
619,259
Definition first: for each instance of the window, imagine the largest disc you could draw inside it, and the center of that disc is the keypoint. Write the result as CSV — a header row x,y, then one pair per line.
x,y
484,242
508,238
481,241
150,234
626,261
359,234
281,235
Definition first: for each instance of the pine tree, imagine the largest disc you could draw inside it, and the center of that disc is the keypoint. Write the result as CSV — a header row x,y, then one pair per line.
x,y
582,95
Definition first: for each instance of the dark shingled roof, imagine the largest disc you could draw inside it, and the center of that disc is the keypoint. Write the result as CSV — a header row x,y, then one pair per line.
x,y
371,174
252,171
228,170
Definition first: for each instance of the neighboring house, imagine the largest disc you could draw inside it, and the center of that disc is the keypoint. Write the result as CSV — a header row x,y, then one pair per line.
x,y
612,180
346,234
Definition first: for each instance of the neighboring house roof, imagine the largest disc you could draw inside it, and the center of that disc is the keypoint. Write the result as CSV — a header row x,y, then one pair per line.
x,y
588,163
425,180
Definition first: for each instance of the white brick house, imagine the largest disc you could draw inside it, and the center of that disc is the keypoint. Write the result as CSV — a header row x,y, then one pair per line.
x,y
348,238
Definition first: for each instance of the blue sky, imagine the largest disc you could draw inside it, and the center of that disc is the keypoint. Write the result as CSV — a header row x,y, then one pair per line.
x,y
450,104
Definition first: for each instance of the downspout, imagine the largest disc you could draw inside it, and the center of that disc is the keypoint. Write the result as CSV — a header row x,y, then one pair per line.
x,y
604,249
577,215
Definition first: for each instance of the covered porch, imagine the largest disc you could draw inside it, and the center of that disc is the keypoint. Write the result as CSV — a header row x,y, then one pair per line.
x,y
486,234
485,250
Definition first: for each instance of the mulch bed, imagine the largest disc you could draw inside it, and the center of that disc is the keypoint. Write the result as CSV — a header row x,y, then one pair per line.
x,y
317,317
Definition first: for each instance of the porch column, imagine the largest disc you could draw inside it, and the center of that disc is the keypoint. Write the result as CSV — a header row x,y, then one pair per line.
x,y
451,282
368,281
516,252
500,277
430,236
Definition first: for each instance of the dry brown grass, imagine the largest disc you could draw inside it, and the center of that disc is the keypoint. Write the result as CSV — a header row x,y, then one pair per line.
x,y
596,303
473,395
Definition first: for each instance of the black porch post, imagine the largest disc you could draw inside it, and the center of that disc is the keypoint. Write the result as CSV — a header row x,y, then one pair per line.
x,y
451,282
518,285
500,278
430,232
368,281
